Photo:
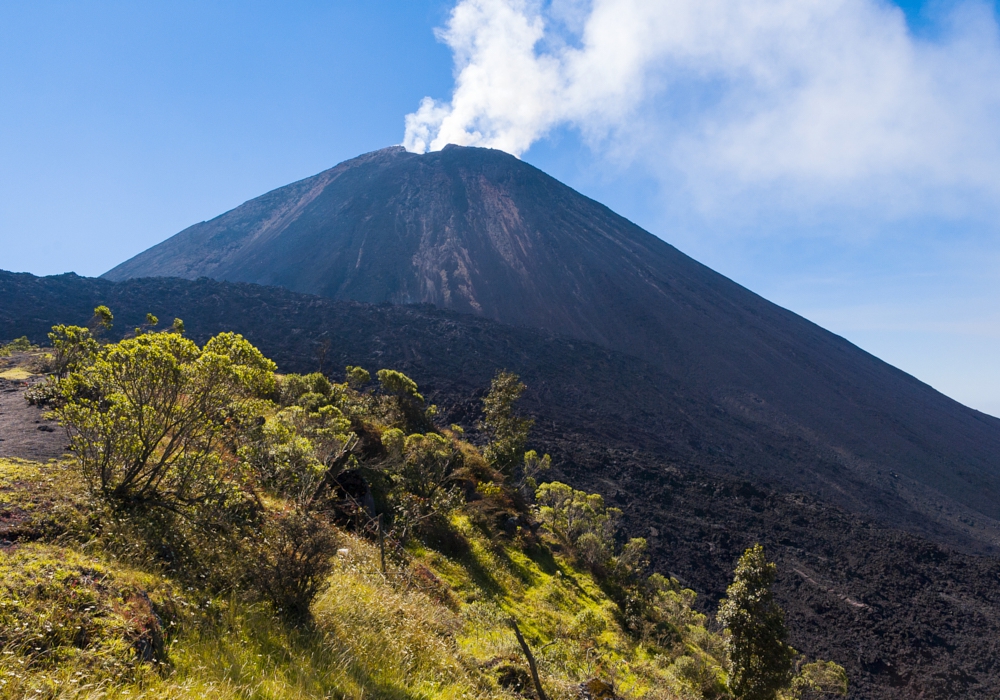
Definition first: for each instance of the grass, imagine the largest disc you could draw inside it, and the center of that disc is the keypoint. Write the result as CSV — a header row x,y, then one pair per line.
x,y
71,624
20,362
40,501
75,623
373,637
567,619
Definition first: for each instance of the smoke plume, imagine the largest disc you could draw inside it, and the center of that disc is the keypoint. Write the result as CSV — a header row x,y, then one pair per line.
x,y
814,100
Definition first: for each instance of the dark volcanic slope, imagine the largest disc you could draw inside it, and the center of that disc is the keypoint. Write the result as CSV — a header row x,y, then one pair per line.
x,y
480,232
905,617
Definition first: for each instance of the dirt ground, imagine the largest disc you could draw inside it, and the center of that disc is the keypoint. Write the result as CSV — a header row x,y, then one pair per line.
x,y
24,432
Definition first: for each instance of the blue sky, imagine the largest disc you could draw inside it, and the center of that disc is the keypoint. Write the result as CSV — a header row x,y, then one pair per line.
x,y
803,173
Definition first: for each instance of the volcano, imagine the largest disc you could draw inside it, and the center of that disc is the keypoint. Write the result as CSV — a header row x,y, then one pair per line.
x,y
474,230
480,232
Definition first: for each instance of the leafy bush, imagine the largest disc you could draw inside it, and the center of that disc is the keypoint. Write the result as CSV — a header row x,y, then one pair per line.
x,y
298,452
176,438
405,406
292,560
420,463
398,384
282,460
532,468
580,520
419,467
357,377
73,346
309,390
46,393
816,679
21,344
149,418
76,346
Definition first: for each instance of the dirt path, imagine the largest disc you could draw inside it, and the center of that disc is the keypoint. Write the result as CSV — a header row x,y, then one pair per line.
x,y
23,431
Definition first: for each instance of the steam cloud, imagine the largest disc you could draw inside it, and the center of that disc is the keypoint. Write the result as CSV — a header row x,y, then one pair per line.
x,y
815,100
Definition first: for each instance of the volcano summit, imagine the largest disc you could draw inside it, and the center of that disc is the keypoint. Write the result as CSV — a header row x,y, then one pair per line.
x,y
470,229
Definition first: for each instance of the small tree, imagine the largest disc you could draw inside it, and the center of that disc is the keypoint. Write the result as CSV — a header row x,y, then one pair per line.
x,y
420,463
76,346
398,384
815,680
21,344
760,659
408,403
73,347
296,453
184,441
532,467
357,377
147,327
149,417
103,318
506,430
580,520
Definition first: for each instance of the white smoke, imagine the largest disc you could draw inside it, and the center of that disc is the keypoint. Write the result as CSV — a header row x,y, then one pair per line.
x,y
814,99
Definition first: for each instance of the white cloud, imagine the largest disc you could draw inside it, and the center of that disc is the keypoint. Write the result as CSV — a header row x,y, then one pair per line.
x,y
799,103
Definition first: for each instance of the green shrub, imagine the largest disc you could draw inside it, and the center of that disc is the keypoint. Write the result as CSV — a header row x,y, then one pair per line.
x,y
21,344
398,384
420,463
815,680
163,432
291,560
506,431
304,448
357,377
149,418
579,519
760,659
402,404
420,467
315,387
73,347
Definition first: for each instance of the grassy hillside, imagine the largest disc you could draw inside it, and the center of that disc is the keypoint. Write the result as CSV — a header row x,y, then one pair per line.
x,y
81,624
432,554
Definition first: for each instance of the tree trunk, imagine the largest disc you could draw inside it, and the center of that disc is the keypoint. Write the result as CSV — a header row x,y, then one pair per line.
x,y
531,660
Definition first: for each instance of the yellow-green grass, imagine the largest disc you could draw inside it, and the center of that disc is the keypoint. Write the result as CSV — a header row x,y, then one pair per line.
x,y
40,501
432,626
373,637
568,620
71,624
16,374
